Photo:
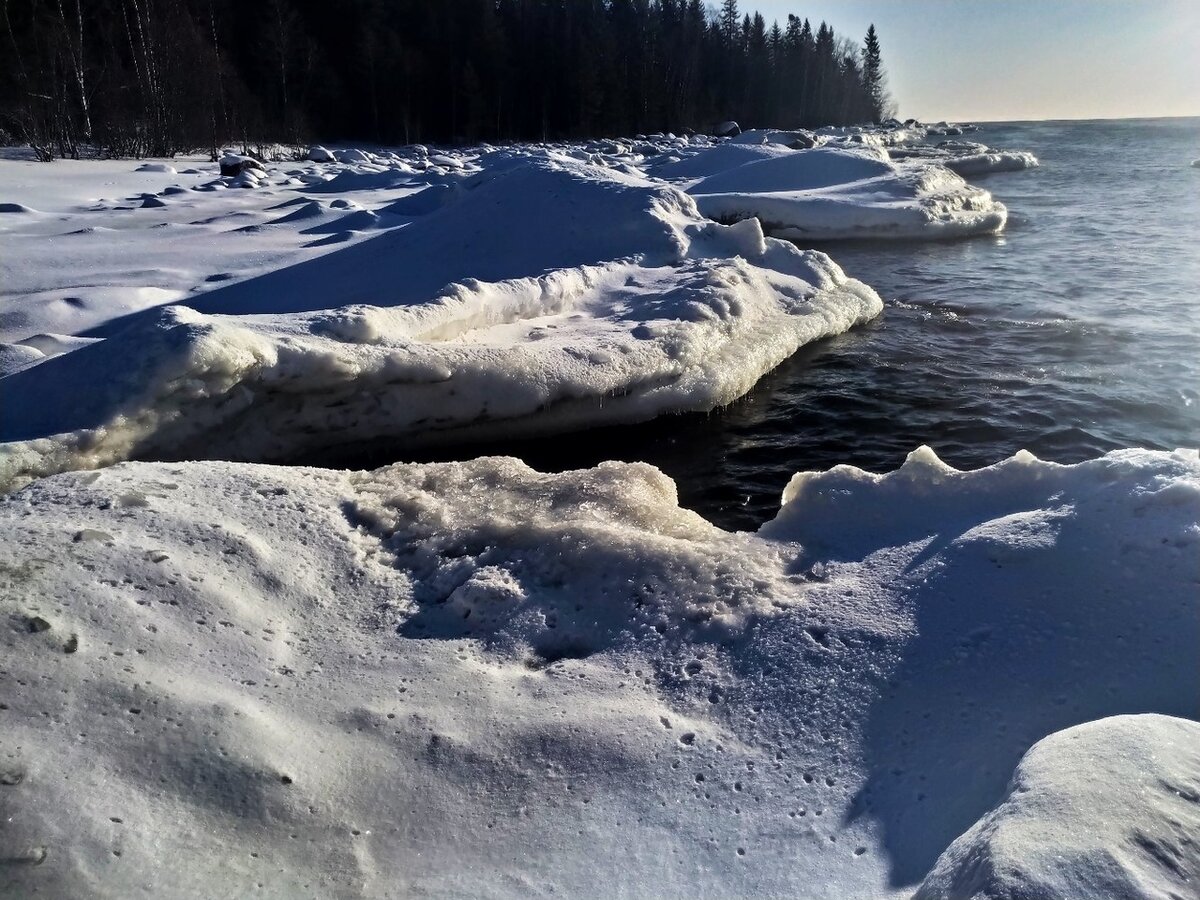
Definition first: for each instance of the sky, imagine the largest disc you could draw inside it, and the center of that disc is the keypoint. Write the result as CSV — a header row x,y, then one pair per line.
x,y
1024,59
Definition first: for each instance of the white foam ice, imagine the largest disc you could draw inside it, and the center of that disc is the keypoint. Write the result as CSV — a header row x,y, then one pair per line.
x,y
839,192
968,157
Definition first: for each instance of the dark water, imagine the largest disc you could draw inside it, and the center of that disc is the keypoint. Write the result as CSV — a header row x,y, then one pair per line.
x,y
1075,332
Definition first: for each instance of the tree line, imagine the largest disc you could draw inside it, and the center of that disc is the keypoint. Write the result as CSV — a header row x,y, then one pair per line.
x,y
157,77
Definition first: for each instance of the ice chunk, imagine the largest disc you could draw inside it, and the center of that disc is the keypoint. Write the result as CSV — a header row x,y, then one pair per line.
x,y
832,192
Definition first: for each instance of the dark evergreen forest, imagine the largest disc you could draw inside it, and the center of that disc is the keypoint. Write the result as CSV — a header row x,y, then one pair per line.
x,y
156,77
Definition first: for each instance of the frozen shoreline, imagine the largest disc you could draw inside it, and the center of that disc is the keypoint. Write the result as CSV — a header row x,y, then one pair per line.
x,y
422,296
473,678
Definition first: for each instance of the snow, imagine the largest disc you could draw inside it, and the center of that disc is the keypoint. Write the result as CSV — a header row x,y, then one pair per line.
x,y
506,310
472,679
1105,809
838,192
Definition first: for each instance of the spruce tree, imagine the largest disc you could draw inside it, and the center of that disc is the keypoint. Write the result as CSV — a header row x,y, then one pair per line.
x,y
872,74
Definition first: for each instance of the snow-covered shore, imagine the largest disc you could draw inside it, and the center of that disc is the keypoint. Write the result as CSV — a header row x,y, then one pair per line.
x,y
156,311
471,679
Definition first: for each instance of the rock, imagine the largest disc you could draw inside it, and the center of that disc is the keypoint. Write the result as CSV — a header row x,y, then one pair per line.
x,y
234,164
351,157
317,153
727,129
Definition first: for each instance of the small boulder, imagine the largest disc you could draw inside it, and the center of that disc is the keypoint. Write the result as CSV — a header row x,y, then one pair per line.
x,y
234,164
727,129
317,153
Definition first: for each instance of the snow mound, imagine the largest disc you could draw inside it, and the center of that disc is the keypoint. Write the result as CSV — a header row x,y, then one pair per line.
x,y
15,357
721,158
1106,809
156,167
837,192
505,312
399,682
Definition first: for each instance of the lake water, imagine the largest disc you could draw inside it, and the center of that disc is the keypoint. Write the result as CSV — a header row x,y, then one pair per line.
x,y
1074,332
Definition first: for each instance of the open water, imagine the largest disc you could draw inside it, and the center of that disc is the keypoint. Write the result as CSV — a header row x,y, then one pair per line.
x,y
1074,332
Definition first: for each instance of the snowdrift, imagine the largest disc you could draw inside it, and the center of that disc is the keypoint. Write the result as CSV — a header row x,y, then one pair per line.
x,y
1104,809
474,679
838,193
505,311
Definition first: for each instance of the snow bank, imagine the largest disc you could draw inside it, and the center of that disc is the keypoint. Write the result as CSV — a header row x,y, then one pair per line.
x,y
472,679
833,192
1105,809
507,311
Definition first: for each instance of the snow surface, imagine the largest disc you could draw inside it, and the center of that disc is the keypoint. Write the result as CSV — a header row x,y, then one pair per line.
x,y
472,679
529,293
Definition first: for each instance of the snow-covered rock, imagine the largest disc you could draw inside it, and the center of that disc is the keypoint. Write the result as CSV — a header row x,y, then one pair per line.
x,y
838,192
1105,809
795,140
352,156
727,129
317,153
235,164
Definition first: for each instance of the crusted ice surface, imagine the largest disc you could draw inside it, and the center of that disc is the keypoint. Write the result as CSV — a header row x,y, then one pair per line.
x,y
472,679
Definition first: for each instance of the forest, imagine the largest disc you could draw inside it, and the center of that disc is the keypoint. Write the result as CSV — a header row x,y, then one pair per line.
x,y
159,77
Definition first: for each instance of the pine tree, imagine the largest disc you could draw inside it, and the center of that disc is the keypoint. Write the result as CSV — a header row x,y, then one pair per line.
x,y
872,74
134,77
729,20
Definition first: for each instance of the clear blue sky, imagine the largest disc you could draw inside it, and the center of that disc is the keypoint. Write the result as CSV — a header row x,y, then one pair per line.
x,y
1024,59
